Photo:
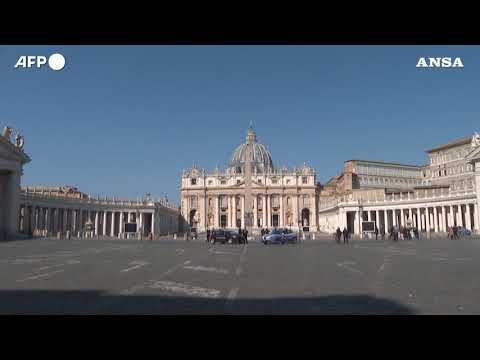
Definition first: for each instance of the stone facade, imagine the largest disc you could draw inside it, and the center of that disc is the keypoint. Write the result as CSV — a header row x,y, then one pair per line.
x,y
431,197
281,197
12,159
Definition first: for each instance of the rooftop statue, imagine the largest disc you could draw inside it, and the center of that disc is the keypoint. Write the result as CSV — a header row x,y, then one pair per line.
x,y
7,132
19,141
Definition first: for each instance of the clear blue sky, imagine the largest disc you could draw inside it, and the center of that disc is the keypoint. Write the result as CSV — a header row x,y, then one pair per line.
x,y
125,120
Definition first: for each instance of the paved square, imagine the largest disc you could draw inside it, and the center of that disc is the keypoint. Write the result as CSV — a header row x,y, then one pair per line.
x,y
176,277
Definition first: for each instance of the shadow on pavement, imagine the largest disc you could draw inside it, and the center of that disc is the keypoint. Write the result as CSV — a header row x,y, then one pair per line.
x,y
92,302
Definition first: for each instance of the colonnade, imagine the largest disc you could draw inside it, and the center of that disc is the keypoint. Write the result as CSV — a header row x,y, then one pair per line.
x,y
431,218
36,220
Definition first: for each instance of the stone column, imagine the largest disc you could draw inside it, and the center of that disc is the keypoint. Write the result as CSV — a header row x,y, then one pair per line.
x,y
314,214
255,211
104,232
385,220
48,215
234,211
269,211
467,217
264,211
153,223
427,219
120,222
112,229
96,223
80,220
217,211
12,201
242,212
435,218
459,216
451,221
281,222
476,217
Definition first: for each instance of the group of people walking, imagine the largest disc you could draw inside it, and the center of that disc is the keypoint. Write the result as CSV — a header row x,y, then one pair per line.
x,y
339,233
452,232
403,233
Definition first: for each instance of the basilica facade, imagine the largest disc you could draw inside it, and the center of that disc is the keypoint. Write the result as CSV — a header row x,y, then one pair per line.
x,y
282,197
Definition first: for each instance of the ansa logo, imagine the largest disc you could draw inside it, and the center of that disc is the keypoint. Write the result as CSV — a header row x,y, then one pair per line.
x,y
439,62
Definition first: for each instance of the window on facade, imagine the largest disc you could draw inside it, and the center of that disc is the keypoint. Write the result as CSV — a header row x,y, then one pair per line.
x,y
223,182
304,180
210,182
260,181
238,182
288,181
193,181
274,181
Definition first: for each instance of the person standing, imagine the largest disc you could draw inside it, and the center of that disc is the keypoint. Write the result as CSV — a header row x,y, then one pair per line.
x,y
338,235
345,235
245,234
376,233
208,235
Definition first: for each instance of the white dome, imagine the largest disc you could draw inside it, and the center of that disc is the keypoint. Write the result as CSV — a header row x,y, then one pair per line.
x,y
261,162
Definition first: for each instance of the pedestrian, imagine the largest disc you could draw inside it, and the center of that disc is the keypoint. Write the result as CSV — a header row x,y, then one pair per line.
x,y
338,235
376,233
345,235
455,232
382,231
450,232
245,234
208,235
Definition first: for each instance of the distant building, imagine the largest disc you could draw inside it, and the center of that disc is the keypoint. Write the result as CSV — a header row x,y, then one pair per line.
x,y
281,197
431,197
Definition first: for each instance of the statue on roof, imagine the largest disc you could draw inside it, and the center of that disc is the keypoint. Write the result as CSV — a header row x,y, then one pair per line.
x,y
475,140
7,132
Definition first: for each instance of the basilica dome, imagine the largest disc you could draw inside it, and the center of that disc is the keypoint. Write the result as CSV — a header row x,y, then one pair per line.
x,y
261,162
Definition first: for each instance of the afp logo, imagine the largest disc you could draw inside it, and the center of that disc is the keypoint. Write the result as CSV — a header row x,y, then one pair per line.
x,y
439,62
55,62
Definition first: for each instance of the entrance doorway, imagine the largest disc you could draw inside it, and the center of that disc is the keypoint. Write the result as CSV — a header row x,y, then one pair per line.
x,y
275,222
223,221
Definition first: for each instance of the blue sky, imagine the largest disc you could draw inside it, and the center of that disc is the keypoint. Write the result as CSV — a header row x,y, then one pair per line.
x,y
125,120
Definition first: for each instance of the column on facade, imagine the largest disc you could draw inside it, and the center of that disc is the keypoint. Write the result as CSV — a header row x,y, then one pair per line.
x,y
104,232
314,213
242,212
467,217
264,211
47,219
435,219
112,228
120,222
450,216
153,224
459,216
476,217
269,211
281,221
80,220
217,211
255,212
427,219
96,222
385,220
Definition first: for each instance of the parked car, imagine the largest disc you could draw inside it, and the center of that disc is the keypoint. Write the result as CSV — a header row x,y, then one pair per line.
x,y
220,235
224,236
280,236
235,237
463,231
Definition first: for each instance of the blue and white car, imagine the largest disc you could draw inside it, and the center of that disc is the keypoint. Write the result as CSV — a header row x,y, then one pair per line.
x,y
463,231
280,236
